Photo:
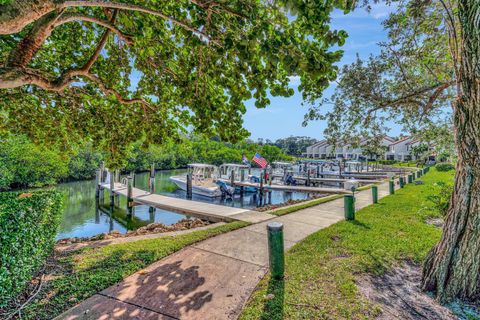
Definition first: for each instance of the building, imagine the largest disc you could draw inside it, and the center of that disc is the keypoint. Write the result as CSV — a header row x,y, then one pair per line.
x,y
400,150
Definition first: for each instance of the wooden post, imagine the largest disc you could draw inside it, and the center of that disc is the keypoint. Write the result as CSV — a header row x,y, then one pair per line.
x,y
97,183
132,174
151,211
112,186
318,171
151,180
152,170
102,171
270,177
308,178
232,179
261,185
129,194
242,175
189,185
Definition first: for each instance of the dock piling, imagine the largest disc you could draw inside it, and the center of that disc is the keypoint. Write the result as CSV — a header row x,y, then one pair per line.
x,y
97,183
129,194
102,171
151,180
276,249
189,185
261,185
232,179
112,186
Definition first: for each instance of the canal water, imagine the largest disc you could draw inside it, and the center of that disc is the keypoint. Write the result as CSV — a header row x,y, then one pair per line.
x,y
83,218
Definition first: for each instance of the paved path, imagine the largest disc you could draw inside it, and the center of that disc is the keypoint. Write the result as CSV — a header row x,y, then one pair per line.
x,y
212,279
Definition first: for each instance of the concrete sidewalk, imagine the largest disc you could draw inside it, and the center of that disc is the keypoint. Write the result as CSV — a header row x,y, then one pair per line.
x,y
211,279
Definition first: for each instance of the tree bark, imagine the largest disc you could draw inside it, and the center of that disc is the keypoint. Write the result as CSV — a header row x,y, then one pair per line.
x,y
452,268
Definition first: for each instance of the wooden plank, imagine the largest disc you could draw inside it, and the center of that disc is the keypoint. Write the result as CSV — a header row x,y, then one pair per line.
x,y
211,212
290,188
332,179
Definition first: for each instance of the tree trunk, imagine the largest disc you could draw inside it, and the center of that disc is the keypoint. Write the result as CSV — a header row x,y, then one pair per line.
x,y
452,268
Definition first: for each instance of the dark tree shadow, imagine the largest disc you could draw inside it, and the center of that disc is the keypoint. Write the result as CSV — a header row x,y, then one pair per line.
x,y
168,289
273,308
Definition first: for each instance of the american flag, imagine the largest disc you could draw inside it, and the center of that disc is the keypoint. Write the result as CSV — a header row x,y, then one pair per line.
x,y
258,159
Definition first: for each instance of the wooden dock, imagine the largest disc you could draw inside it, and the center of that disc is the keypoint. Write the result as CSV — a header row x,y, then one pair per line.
x,y
278,187
208,211
331,180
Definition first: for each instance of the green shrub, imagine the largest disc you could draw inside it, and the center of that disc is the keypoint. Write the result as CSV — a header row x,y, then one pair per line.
x,y
444,166
387,162
28,165
82,166
28,226
441,197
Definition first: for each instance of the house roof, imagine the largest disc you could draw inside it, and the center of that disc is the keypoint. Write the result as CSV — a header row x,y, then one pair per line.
x,y
413,141
399,141
320,144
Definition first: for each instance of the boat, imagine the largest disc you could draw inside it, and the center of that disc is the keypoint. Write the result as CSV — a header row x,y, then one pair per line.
x,y
227,169
203,180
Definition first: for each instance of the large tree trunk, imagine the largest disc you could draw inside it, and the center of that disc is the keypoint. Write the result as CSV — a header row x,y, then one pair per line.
x,y
452,268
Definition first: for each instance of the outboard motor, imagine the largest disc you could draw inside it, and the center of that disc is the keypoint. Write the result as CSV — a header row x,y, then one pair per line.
x,y
225,189
254,179
289,181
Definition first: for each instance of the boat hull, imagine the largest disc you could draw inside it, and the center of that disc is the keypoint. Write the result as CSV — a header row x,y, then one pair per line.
x,y
210,192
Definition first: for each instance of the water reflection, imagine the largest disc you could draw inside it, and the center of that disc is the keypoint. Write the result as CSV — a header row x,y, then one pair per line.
x,y
83,218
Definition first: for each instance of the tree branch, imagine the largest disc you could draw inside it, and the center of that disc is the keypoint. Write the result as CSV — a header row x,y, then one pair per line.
x,y
439,88
15,16
31,43
211,4
110,91
137,8
70,17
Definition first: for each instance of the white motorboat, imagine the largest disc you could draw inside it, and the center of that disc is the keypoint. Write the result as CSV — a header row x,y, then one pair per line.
x,y
227,169
203,180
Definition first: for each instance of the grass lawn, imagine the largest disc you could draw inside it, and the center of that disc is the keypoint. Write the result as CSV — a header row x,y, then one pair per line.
x,y
321,270
81,274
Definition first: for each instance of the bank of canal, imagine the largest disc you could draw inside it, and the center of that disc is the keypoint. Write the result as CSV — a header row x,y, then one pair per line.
x,y
82,217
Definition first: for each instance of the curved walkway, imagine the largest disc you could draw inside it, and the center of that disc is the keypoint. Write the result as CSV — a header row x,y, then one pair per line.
x,y
212,279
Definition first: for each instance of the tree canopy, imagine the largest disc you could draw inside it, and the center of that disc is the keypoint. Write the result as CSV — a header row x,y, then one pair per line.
x,y
411,82
427,75
117,71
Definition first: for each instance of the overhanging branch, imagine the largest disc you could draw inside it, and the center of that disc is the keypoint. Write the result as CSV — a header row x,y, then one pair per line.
x,y
70,17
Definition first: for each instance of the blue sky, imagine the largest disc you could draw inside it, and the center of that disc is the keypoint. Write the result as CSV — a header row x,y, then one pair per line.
x,y
284,116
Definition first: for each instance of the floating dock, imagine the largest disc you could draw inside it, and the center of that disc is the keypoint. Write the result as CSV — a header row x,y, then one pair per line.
x,y
331,180
208,211
278,187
